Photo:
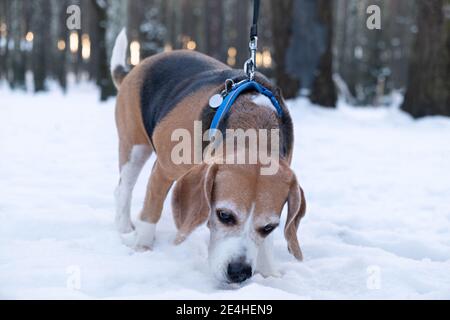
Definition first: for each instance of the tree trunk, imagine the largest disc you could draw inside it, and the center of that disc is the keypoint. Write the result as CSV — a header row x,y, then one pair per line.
x,y
188,20
428,91
3,32
214,29
242,38
16,55
42,41
61,55
104,78
282,31
144,26
323,89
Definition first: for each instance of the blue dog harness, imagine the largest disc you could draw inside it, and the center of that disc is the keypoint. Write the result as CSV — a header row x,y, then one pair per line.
x,y
230,96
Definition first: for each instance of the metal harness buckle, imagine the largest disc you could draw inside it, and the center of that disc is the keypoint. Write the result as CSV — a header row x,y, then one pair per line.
x,y
250,64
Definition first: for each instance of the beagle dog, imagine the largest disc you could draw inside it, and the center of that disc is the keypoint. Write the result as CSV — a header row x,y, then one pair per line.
x,y
241,207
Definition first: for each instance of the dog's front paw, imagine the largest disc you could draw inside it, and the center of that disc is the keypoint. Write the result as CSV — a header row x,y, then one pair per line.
x,y
124,224
142,238
270,272
128,239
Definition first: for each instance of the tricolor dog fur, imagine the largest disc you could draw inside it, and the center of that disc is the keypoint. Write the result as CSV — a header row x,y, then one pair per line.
x,y
241,207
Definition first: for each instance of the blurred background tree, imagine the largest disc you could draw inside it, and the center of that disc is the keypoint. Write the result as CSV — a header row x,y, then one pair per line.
x,y
320,49
428,88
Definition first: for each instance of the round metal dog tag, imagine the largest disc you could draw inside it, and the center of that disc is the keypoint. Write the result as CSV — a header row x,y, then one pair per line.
x,y
215,101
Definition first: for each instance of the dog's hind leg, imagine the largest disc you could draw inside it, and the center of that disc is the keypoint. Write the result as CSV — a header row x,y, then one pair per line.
x,y
132,159
158,186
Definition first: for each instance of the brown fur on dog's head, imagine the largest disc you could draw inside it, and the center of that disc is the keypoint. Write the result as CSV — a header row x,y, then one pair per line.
x,y
254,202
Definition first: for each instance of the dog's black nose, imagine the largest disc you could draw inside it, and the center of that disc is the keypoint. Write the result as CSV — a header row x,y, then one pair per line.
x,y
239,272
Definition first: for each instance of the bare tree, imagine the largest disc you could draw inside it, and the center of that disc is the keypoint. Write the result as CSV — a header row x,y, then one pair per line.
x,y
60,68
323,90
282,11
41,43
16,55
100,50
428,91
144,25
4,9
214,29
242,23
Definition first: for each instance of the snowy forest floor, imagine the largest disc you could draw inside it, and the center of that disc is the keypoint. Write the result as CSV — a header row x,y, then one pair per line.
x,y
377,226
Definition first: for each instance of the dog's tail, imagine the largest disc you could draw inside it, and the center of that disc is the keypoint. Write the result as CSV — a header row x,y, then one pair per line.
x,y
119,68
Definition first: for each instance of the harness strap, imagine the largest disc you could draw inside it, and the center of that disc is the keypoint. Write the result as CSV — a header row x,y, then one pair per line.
x,y
231,97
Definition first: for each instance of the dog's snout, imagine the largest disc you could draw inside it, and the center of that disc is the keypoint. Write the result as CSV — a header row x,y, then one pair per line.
x,y
239,272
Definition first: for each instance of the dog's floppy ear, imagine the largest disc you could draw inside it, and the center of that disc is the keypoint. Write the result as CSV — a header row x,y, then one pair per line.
x,y
296,211
191,199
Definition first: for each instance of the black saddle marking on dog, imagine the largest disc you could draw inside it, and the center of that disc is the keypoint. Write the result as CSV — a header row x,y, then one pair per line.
x,y
172,78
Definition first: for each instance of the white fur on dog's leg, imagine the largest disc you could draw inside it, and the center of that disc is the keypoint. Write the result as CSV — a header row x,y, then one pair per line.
x,y
145,235
122,219
265,263
129,239
129,174
142,238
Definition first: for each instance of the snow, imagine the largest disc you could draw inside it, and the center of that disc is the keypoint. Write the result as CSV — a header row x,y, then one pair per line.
x,y
377,226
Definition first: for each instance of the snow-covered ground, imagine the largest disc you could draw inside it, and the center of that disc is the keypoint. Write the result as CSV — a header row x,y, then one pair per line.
x,y
377,226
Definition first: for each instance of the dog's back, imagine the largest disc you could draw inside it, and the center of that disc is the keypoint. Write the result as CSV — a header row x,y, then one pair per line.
x,y
164,80
171,77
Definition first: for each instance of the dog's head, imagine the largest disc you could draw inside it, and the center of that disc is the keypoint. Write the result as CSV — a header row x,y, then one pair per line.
x,y
242,208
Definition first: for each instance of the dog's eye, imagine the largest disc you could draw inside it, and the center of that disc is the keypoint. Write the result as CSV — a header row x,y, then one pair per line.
x,y
266,230
226,217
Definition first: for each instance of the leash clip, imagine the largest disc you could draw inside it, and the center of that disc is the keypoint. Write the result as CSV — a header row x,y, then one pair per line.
x,y
250,64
